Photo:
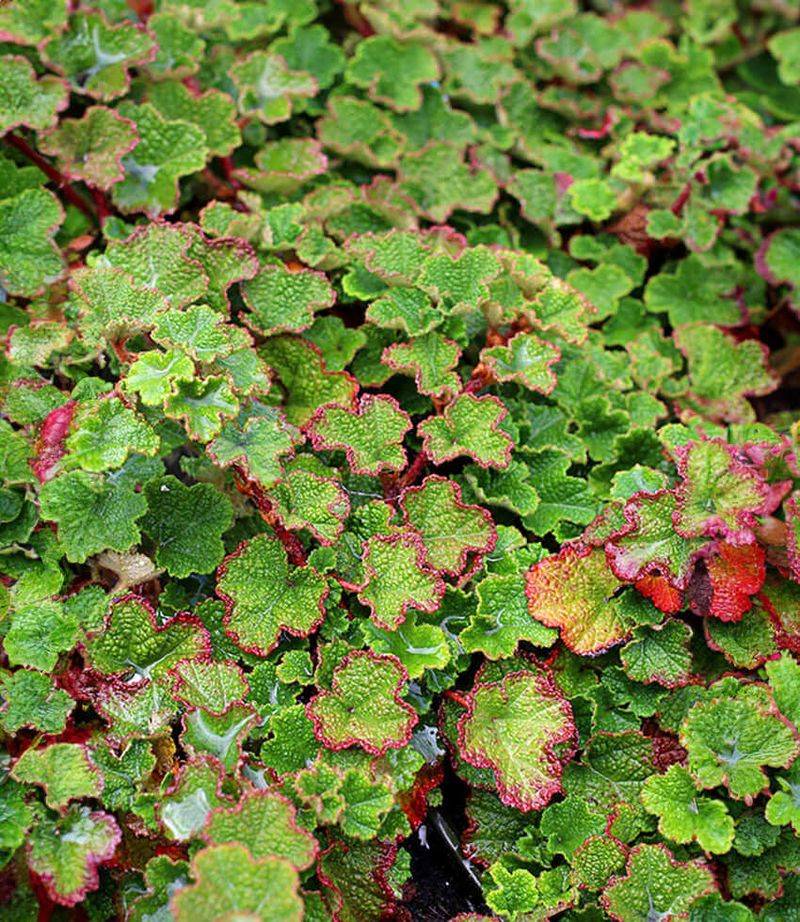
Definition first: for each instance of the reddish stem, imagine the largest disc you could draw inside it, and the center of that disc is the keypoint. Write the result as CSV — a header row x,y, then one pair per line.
x,y
101,204
51,172
227,168
356,20
291,543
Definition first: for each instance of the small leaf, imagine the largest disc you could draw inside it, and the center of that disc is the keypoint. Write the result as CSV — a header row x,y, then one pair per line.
x,y
91,148
154,376
95,55
363,707
468,427
230,882
186,525
265,823
28,101
396,579
263,596
66,851
450,529
282,301
267,88
64,770
104,434
258,447
29,257
202,406
683,815
92,513
370,435
392,71
526,359
430,359
653,884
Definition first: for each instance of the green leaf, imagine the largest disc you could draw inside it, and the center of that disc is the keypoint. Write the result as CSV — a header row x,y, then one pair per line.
x,y
202,406
438,182
109,304
719,495
392,71
722,371
32,701
265,822
167,150
213,113
595,198
733,736
179,48
66,851
28,101
468,427
304,499
525,359
39,632
305,378
91,148
371,435
263,596
92,513
95,55
64,770
267,88
230,883
655,884
134,644
104,434
396,578
363,707
29,258
450,529
154,376
186,525
502,620
659,654
430,360
33,22
283,301
517,727
211,685
683,815
258,447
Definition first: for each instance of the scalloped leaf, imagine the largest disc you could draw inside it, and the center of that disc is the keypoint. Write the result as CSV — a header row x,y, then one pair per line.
x,y
263,596
92,513
30,23
202,406
30,700
94,55
284,301
268,88
66,852
229,882
186,524
649,545
391,71
134,644
167,150
655,884
683,816
396,578
733,736
363,707
29,257
469,426
64,770
91,148
719,495
104,434
525,359
154,376
574,591
265,822
305,500
371,435
430,359
258,447
502,620
451,530
27,101
522,729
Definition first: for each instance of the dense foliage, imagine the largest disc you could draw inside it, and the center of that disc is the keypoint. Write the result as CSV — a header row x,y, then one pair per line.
x,y
399,445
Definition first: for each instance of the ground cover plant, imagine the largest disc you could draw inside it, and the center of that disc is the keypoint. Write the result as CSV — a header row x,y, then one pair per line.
x,y
400,506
